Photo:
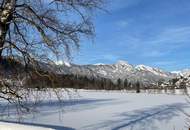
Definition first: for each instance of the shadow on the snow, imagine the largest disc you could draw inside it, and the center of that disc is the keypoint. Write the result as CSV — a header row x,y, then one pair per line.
x,y
73,102
53,105
145,118
42,125
50,108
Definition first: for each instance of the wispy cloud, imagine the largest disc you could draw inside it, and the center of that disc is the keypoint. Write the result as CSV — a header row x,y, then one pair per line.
x,y
115,5
160,44
101,57
154,53
163,63
111,57
122,23
173,35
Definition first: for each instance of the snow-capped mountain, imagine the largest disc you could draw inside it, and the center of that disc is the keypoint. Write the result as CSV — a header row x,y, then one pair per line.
x,y
177,72
155,71
121,69
181,80
184,73
99,64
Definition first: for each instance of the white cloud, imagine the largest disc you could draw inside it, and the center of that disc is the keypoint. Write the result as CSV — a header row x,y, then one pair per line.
x,y
122,23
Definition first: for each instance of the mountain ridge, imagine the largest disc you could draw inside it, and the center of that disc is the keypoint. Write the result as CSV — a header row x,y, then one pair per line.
x,y
120,70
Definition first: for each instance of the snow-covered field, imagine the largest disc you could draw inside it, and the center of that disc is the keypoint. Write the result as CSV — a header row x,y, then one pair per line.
x,y
104,110
13,126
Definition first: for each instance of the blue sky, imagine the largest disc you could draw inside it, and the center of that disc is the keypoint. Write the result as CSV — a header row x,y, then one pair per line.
x,y
150,32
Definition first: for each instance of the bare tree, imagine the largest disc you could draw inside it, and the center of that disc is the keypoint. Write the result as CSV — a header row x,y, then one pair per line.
x,y
42,30
31,28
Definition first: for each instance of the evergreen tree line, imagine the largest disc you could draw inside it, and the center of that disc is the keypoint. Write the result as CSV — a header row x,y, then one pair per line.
x,y
81,82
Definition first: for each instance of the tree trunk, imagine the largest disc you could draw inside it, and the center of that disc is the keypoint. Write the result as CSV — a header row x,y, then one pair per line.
x,y
5,18
3,32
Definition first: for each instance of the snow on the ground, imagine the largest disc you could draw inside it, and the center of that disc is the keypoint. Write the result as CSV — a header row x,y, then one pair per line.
x,y
116,110
14,126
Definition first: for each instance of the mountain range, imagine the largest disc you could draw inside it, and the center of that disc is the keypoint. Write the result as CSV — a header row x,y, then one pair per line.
x,y
120,70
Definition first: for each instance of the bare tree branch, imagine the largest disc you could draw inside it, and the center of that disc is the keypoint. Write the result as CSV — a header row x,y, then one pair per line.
x,y
35,32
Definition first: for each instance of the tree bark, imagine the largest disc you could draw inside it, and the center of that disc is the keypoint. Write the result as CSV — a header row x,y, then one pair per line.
x,y
3,32
5,18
